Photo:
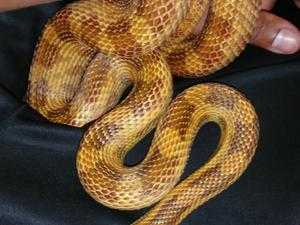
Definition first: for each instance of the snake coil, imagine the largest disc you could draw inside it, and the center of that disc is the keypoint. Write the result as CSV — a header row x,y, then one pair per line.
x,y
92,50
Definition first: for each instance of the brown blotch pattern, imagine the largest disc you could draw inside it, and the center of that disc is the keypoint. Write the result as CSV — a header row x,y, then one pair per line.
x,y
61,24
218,97
41,89
119,28
50,52
210,172
98,167
182,123
90,27
147,167
223,27
238,139
62,112
161,215
106,134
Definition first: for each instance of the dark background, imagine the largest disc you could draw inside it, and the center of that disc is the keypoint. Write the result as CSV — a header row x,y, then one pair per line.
x,y
38,181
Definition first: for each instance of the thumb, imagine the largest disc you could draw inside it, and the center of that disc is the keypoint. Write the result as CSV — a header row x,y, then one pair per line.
x,y
276,34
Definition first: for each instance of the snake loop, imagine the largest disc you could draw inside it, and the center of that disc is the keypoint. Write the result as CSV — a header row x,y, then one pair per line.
x,y
93,50
173,138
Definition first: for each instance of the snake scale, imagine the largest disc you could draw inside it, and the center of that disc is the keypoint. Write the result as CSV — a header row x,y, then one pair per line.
x,y
91,51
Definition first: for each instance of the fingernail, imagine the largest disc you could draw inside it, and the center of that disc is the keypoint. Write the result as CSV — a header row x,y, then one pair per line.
x,y
286,42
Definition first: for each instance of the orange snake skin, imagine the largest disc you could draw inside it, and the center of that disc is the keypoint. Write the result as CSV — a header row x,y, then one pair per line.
x,y
93,50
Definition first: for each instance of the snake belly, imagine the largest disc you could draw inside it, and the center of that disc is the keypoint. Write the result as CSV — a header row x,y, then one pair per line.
x,y
91,51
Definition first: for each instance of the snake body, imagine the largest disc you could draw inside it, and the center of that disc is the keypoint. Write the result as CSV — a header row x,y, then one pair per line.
x,y
93,50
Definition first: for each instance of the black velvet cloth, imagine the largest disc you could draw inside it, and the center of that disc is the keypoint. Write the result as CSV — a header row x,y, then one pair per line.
x,y
38,181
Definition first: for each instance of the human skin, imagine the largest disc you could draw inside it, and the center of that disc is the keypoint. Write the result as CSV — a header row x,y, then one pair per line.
x,y
6,5
272,32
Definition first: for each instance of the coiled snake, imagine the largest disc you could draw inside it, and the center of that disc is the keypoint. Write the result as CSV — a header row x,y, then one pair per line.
x,y
92,50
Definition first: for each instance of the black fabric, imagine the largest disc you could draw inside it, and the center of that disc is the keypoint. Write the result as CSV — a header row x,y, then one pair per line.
x,y
38,181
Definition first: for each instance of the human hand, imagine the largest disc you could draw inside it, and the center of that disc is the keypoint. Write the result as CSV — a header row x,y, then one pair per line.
x,y
6,5
274,33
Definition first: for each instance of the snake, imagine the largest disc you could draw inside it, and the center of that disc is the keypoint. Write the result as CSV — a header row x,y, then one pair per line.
x,y
92,51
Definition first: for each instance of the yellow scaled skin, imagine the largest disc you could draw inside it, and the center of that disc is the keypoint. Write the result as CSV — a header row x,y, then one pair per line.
x,y
92,50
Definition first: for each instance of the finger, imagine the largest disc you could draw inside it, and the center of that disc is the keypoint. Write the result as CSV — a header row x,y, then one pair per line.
x,y
268,4
15,4
276,34
297,2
